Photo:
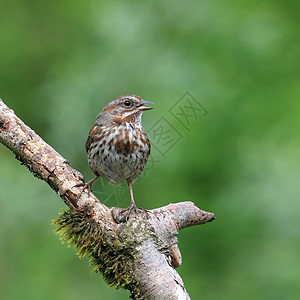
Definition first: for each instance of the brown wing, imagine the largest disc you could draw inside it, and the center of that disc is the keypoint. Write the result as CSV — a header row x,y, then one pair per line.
x,y
88,143
90,138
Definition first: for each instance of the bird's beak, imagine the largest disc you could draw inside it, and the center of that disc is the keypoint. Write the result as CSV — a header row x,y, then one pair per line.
x,y
143,108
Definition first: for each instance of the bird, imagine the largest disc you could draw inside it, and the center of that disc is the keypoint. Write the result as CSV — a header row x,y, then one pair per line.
x,y
117,145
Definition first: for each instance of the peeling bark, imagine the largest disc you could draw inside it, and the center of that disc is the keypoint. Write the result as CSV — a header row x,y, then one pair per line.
x,y
148,240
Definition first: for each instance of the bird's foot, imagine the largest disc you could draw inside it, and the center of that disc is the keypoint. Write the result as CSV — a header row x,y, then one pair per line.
x,y
146,212
129,209
123,215
85,186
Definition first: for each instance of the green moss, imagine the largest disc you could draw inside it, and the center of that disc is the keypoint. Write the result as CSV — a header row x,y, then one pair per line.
x,y
108,252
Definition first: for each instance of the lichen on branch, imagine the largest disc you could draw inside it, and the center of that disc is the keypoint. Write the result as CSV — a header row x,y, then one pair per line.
x,y
109,254
140,254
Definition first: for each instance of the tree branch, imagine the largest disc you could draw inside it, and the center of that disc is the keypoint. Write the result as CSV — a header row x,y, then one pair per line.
x,y
139,255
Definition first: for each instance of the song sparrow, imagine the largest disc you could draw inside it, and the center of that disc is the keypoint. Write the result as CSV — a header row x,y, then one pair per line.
x,y
117,146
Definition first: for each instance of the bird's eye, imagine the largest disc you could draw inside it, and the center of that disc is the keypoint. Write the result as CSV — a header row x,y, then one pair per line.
x,y
127,103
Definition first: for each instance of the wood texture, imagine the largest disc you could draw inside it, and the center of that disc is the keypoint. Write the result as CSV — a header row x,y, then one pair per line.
x,y
153,243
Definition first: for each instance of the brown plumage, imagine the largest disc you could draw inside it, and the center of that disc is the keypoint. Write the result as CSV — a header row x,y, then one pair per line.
x,y
117,146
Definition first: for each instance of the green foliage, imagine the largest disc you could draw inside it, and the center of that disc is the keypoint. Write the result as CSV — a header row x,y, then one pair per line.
x,y
62,61
107,252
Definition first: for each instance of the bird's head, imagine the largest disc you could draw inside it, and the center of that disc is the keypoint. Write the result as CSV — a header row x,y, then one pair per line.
x,y
125,108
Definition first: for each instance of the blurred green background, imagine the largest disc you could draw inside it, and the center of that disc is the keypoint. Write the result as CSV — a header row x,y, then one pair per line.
x,y
62,61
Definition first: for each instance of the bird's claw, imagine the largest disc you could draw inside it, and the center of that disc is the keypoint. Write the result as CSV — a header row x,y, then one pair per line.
x,y
84,187
123,215
131,207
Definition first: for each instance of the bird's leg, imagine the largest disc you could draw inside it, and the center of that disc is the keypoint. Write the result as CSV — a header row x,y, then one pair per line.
x,y
87,185
132,203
